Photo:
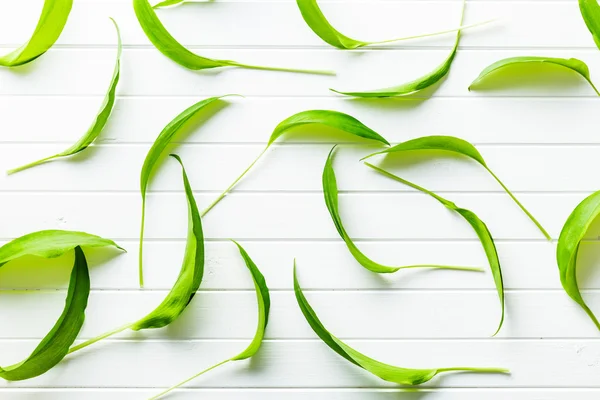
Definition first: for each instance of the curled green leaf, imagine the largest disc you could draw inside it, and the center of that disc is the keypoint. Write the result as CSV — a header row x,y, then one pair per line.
x,y
264,304
590,11
418,84
387,372
567,249
513,63
330,192
187,283
49,27
55,345
154,156
101,118
458,146
332,119
170,47
480,228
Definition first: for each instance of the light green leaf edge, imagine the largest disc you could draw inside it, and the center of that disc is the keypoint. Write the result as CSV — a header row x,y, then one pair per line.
x,y
567,249
480,228
55,345
332,119
170,47
167,3
330,193
49,27
101,118
418,84
390,373
459,146
264,304
590,11
572,64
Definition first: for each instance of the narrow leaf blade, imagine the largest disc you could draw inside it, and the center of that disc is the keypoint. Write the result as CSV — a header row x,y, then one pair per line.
x,y
590,11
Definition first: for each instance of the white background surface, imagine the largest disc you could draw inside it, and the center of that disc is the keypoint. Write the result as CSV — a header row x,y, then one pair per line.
x,y
540,136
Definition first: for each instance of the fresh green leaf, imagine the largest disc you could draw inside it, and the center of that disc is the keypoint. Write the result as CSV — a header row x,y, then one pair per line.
x,y
154,156
167,3
480,228
513,63
55,345
330,192
50,244
567,249
170,47
390,373
187,283
332,119
264,305
590,11
99,122
457,146
49,27
418,84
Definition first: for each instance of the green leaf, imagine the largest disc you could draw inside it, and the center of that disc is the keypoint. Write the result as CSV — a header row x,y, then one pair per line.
x,y
567,249
264,305
167,3
170,47
98,124
418,84
50,244
390,373
457,146
330,192
55,345
49,27
480,228
332,119
154,156
512,64
590,11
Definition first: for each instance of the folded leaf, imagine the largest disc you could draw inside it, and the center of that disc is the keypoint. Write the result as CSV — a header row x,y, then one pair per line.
x,y
480,228
390,373
572,64
264,305
170,47
49,27
55,345
330,192
331,119
100,121
567,249
418,84
457,146
590,11
154,155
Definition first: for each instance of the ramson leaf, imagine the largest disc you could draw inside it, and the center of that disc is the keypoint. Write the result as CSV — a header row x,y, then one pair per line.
x,y
49,27
590,11
387,372
101,118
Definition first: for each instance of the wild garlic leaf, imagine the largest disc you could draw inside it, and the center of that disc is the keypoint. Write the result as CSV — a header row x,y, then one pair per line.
x,y
480,228
390,373
458,146
55,345
330,192
49,27
154,156
170,47
101,118
418,84
572,64
332,119
167,3
264,304
590,11
187,283
567,249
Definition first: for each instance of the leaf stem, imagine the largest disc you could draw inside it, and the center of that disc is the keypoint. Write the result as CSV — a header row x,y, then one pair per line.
x,y
451,267
188,379
222,195
475,369
141,251
281,69
31,164
593,86
98,338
